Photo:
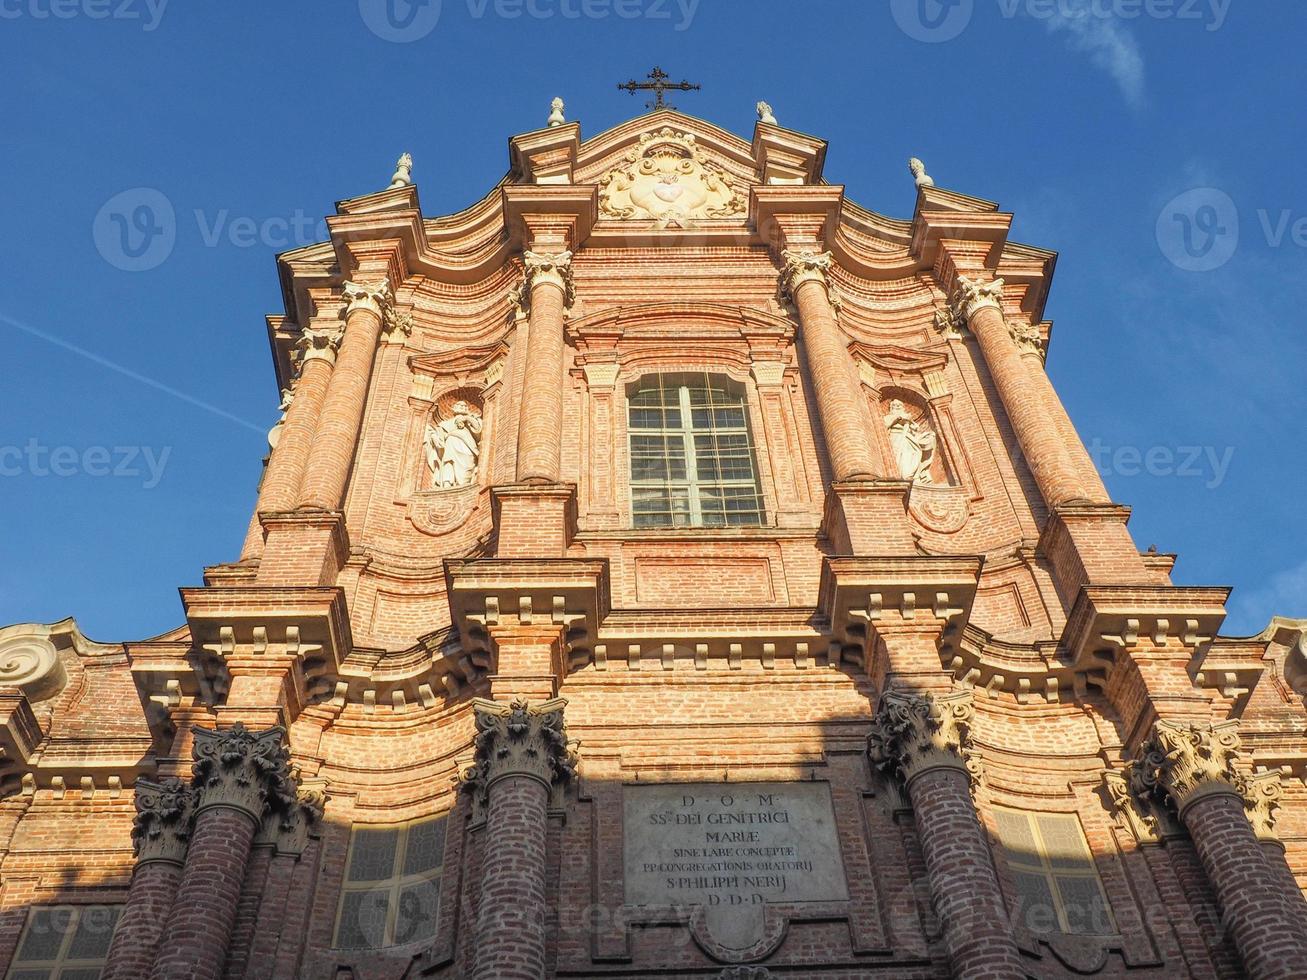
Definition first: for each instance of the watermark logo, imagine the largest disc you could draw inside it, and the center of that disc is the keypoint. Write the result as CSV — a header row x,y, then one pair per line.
x,y
1211,464
148,12
932,21
401,21
35,459
1198,231
136,230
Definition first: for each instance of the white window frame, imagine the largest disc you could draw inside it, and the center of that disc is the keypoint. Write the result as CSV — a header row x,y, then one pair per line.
x,y
397,881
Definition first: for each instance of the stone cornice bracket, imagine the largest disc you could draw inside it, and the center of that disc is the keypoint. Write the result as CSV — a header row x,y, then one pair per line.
x,y
320,342
554,268
970,296
161,830
519,739
1184,763
243,770
804,265
377,297
913,734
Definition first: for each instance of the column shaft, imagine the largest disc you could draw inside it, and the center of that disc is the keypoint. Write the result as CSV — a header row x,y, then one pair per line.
x,y
286,465
510,932
198,933
539,434
1252,896
1039,435
963,883
1091,482
827,359
136,939
327,469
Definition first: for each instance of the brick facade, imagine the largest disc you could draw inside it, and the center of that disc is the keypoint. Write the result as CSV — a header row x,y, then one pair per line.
x,y
406,734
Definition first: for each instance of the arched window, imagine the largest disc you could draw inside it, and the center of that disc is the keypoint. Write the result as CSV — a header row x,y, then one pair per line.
x,y
692,459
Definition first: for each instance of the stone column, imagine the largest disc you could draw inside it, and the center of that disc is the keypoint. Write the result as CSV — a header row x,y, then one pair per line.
x,y
1193,768
521,755
159,837
540,429
240,776
323,488
925,740
286,464
826,356
1041,439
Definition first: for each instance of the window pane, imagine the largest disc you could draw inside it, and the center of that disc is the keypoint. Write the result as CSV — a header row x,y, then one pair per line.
x,y
1017,838
373,855
81,973
1084,906
416,916
657,458
1037,910
660,506
363,920
45,934
425,848
95,928
31,975
1064,841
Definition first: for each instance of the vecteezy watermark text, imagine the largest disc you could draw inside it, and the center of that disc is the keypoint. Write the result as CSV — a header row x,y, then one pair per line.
x,y
148,12
1208,463
35,459
936,21
404,21
1199,230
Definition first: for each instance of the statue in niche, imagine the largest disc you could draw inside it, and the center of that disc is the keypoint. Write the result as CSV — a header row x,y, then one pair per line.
x,y
453,446
913,443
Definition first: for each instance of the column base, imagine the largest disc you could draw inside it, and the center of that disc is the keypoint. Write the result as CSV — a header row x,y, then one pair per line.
x,y
869,518
303,547
534,520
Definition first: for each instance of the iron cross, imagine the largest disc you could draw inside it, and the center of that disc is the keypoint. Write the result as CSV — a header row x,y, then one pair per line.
x,y
658,86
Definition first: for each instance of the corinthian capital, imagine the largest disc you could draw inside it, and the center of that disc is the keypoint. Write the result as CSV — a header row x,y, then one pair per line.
x,y
319,343
243,770
520,739
376,297
970,296
912,734
804,265
551,267
1182,763
162,828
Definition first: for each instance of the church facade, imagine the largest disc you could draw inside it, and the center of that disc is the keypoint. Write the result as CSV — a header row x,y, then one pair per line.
x,y
668,568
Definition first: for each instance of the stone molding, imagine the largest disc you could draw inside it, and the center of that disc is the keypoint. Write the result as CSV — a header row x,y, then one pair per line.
x,y
319,343
161,830
554,268
745,973
519,739
243,770
804,265
376,297
914,733
1183,763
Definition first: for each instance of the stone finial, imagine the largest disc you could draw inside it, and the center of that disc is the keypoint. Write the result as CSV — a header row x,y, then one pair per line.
x,y
519,739
243,770
556,117
970,296
403,176
802,265
1182,763
766,115
919,175
162,828
912,734
319,342
552,267
376,297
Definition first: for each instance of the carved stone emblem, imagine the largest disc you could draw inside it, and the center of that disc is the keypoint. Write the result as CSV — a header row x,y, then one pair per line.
x,y
243,770
520,739
162,828
667,177
912,734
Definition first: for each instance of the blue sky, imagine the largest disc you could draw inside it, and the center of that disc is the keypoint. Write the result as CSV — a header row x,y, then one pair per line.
x,y
1156,144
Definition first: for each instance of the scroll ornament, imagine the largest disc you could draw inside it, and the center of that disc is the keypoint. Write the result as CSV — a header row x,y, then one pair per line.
x,y
913,734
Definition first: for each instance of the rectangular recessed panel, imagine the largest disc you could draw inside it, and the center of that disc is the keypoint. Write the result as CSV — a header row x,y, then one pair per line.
x,y
703,582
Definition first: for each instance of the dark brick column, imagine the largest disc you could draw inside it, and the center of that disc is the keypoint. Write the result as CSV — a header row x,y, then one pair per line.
x,y
1193,768
159,836
521,754
240,776
924,739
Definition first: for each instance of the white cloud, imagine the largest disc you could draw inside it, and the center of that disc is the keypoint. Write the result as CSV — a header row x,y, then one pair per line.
x,y
1106,40
1283,594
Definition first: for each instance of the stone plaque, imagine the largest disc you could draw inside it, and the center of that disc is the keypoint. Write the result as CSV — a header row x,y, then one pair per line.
x,y
732,848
